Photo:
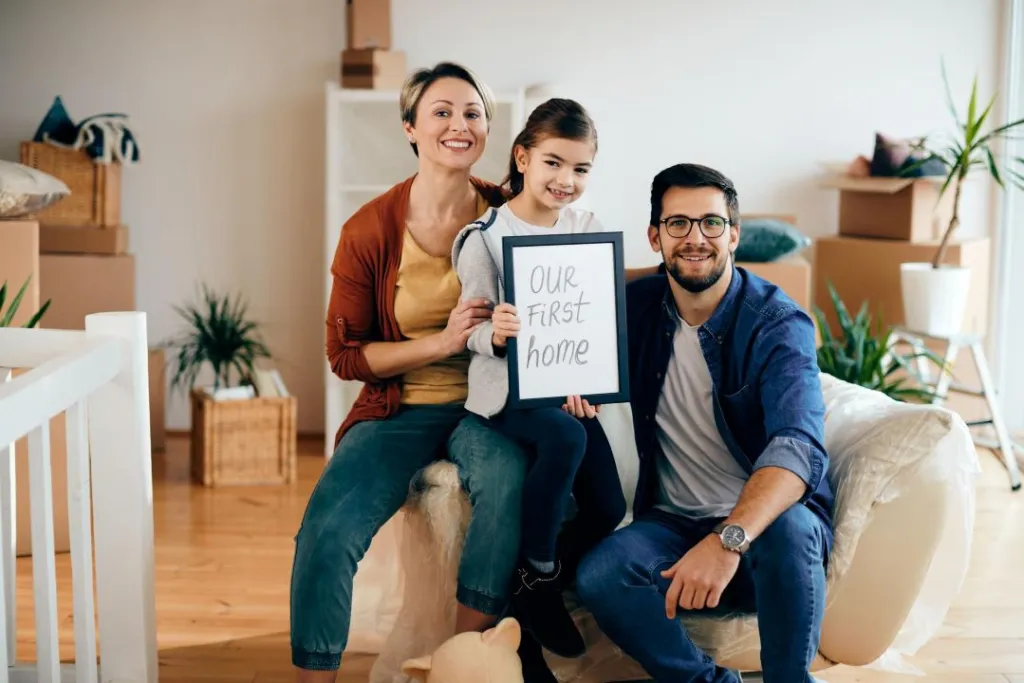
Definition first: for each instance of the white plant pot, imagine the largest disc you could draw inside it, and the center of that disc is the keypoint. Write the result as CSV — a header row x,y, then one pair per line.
x,y
934,299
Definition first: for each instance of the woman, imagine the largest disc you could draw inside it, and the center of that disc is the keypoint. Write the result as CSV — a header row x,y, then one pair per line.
x,y
395,323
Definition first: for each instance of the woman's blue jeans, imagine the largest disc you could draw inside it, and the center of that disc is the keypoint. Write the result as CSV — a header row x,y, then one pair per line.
x,y
366,482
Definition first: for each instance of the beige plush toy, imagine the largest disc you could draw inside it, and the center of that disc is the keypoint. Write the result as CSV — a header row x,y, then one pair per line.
x,y
471,657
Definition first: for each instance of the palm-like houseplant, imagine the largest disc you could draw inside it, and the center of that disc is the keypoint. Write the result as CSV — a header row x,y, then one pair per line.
x,y
6,317
969,150
220,334
863,356
935,295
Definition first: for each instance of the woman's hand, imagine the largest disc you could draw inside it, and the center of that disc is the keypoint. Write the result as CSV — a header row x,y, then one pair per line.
x,y
506,324
580,407
463,319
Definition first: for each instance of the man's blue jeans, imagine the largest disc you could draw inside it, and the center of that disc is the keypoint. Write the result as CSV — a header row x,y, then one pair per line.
x,y
781,577
364,485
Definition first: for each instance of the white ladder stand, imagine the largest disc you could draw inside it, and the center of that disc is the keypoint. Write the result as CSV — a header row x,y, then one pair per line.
x,y
943,383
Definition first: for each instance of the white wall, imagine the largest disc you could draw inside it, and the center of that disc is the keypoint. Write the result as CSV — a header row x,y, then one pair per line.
x,y
226,97
1010,312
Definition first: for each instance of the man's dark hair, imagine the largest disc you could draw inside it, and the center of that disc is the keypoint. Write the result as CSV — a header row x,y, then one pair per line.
x,y
692,175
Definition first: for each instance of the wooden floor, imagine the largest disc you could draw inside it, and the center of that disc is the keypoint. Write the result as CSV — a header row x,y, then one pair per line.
x,y
223,559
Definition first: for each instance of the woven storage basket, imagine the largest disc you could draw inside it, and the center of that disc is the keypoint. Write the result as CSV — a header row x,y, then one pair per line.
x,y
95,188
239,442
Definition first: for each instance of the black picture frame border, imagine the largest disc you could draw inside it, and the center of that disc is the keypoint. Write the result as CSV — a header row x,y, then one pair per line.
x,y
509,246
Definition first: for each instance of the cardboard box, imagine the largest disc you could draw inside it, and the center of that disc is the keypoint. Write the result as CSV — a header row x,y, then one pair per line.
x,y
19,260
907,209
372,69
73,239
368,24
84,284
792,275
157,393
863,269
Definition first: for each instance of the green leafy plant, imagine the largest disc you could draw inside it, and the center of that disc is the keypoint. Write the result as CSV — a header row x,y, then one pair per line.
x,y
7,316
219,334
970,149
864,356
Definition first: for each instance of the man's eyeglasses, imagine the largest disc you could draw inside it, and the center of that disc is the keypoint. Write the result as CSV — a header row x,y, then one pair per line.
x,y
711,226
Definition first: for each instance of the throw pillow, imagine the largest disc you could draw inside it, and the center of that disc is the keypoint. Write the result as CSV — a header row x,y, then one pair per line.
x,y
894,157
769,239
25,190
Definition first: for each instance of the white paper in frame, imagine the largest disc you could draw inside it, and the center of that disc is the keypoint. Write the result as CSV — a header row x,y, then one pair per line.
x,y
569,292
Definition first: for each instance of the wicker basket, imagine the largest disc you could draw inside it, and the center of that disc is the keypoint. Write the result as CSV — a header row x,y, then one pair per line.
x,y
243,442
95,188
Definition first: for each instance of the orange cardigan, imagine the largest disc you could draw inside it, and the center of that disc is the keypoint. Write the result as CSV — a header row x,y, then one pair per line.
x,y
362,304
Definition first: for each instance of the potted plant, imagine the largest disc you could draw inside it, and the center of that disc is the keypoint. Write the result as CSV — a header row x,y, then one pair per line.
x,y
6,317
218,334
864,357
238,436
935,293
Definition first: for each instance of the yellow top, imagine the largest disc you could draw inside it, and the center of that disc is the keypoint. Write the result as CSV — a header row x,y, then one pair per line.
x,y
427,290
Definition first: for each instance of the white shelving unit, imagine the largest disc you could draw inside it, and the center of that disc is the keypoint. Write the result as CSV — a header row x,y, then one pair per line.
x,y
366,154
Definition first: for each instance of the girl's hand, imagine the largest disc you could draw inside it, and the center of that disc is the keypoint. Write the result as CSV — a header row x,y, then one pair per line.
x,y
580,407
463,319
505,324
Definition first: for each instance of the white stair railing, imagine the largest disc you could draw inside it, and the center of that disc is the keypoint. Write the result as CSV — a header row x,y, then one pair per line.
x,y
99,378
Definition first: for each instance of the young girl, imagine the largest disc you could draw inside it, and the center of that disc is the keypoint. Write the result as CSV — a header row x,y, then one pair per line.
x,y
551,160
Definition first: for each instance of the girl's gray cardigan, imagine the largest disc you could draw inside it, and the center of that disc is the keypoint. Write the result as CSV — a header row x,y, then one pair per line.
x,y
474,258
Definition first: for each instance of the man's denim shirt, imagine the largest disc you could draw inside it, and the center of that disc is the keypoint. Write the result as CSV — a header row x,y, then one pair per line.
x,y
761,353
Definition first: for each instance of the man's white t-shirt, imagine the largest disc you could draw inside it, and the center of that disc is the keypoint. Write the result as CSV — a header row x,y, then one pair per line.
x,y
697,475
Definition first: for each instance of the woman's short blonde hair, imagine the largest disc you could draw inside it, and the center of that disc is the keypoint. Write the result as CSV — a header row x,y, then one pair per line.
x,y
418,82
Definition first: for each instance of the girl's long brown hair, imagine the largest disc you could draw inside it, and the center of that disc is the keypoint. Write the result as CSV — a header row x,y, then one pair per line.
x,y
557,118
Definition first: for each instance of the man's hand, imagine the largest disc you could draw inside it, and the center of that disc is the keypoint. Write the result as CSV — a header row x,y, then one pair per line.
x,y
700,576
580,407
505,324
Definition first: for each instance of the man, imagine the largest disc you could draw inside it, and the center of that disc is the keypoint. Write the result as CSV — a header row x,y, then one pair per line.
x,y
733,507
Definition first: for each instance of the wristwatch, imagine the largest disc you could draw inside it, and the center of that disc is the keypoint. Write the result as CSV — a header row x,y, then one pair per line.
x,y
734,537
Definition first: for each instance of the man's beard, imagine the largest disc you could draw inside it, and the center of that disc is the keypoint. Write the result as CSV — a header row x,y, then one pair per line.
x,y
696,285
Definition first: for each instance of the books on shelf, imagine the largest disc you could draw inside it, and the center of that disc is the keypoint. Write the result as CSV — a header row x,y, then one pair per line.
x,y
265,384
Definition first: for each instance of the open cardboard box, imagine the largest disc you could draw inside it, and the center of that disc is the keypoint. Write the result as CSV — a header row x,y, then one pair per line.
x,y
907,209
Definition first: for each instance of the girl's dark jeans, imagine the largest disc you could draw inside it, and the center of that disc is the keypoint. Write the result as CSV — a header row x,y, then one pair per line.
x,y
568,456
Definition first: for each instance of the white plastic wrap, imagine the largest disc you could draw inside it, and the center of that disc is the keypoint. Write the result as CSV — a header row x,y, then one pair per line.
x,y
880,451
25,190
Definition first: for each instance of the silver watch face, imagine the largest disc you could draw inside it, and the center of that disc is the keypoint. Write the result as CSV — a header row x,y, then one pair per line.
x,y
733,536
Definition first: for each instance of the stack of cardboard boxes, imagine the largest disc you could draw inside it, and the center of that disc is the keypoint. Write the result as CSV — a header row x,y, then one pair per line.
x,y
84,263
76,252
368,62
884,222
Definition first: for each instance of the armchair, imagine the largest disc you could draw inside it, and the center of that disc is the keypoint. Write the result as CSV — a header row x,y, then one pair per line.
x,y
903,476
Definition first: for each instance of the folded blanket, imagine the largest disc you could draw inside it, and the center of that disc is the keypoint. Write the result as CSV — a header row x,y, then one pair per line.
x,y
106,137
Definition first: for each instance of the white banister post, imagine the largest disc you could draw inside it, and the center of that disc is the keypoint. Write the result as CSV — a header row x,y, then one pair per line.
x,y
9,541
122,486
